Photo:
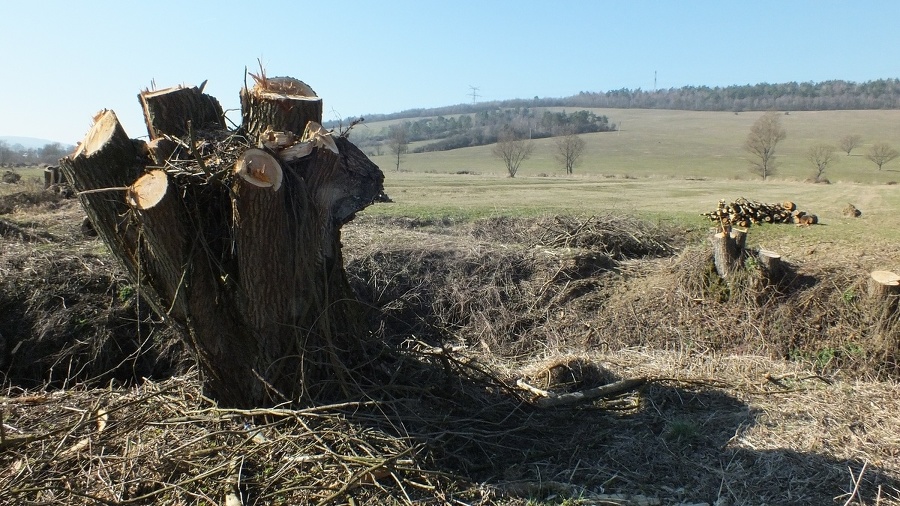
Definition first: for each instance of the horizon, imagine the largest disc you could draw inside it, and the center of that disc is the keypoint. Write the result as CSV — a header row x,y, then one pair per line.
x,y
403,55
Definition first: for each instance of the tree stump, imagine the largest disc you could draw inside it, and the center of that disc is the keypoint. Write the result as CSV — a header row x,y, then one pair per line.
x,y
770,266
238,247
728,251
884,286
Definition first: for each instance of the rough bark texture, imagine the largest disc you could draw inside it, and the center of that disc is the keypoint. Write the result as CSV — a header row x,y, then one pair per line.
x,y
884,290
252,275
276,104
770,266
728,250
168,111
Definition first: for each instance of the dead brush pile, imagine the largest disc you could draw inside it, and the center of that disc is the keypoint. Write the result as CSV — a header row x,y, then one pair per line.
x,y
67,313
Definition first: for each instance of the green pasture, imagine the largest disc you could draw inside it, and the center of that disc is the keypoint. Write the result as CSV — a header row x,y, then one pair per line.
x,y
666,165
689,144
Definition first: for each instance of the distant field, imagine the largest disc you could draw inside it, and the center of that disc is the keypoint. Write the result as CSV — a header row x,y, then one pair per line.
x,y
669,165
682,144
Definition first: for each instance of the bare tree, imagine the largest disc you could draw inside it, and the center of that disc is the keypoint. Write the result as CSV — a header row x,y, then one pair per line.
x,y
398,142
821,156
881,153
569,148
850,142
765,134
512,149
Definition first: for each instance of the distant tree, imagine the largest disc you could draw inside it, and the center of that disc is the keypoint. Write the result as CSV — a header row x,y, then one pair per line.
x,y
765,134
398,142
512,149
51,153
850,142
569,148
881,153
821,156
6,153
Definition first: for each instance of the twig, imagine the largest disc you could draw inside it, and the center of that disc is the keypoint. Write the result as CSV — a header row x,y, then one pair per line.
x,y
194,152
856,481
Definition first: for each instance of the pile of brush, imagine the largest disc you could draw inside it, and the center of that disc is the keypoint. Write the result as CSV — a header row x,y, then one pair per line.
x,y
743,213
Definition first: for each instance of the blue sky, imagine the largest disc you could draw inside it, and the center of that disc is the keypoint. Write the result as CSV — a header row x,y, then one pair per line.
x,y
64,60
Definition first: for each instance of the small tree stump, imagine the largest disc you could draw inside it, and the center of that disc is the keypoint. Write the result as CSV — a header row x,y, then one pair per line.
x,y
770,266
884,285
728,250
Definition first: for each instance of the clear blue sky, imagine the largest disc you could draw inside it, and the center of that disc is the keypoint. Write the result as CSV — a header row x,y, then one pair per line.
x,y
64,60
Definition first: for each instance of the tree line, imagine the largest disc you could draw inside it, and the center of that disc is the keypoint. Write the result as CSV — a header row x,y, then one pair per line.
x,y
481,128
18,155
792,96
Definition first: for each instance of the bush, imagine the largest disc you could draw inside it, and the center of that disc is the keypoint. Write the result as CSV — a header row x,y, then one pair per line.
x,y
11,177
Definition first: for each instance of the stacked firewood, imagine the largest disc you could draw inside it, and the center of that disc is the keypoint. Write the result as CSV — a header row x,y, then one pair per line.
x,y
743,213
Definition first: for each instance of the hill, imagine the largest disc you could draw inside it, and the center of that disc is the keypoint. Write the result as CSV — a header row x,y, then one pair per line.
x,y
27,142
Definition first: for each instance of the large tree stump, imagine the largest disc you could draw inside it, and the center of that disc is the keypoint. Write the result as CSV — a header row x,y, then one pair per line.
x,y
239,247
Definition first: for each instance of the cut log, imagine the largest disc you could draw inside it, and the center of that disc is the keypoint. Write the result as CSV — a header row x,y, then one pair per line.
x,y
280,104
728,251
237,249
169,111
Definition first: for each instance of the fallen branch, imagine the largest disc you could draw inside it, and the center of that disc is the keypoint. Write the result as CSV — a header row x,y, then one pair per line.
x,y
547,399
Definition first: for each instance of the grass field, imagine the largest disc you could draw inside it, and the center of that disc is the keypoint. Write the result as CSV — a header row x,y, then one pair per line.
x,y
689,144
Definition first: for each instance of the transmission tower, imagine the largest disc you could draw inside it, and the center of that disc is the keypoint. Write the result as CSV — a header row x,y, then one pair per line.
x,y
474,93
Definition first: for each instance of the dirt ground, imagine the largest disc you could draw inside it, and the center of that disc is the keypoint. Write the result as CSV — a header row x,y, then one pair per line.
x,y
732,394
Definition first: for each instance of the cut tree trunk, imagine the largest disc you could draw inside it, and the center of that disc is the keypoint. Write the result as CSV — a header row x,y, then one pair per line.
x,y
174,111
884,293
235,246
728,251
770,266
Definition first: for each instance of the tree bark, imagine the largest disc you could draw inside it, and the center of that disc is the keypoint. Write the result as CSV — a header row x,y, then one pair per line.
x,y
239,250
171,110
279,104
770,266
728,250
884,289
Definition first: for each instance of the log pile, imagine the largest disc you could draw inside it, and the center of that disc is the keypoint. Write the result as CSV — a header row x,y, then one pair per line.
x,y
743,213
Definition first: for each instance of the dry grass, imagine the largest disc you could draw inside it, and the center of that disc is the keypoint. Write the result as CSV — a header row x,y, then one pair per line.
x,y
755,394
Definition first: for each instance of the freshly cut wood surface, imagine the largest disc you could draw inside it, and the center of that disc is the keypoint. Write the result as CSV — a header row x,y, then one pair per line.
x,y
260,169
148,190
